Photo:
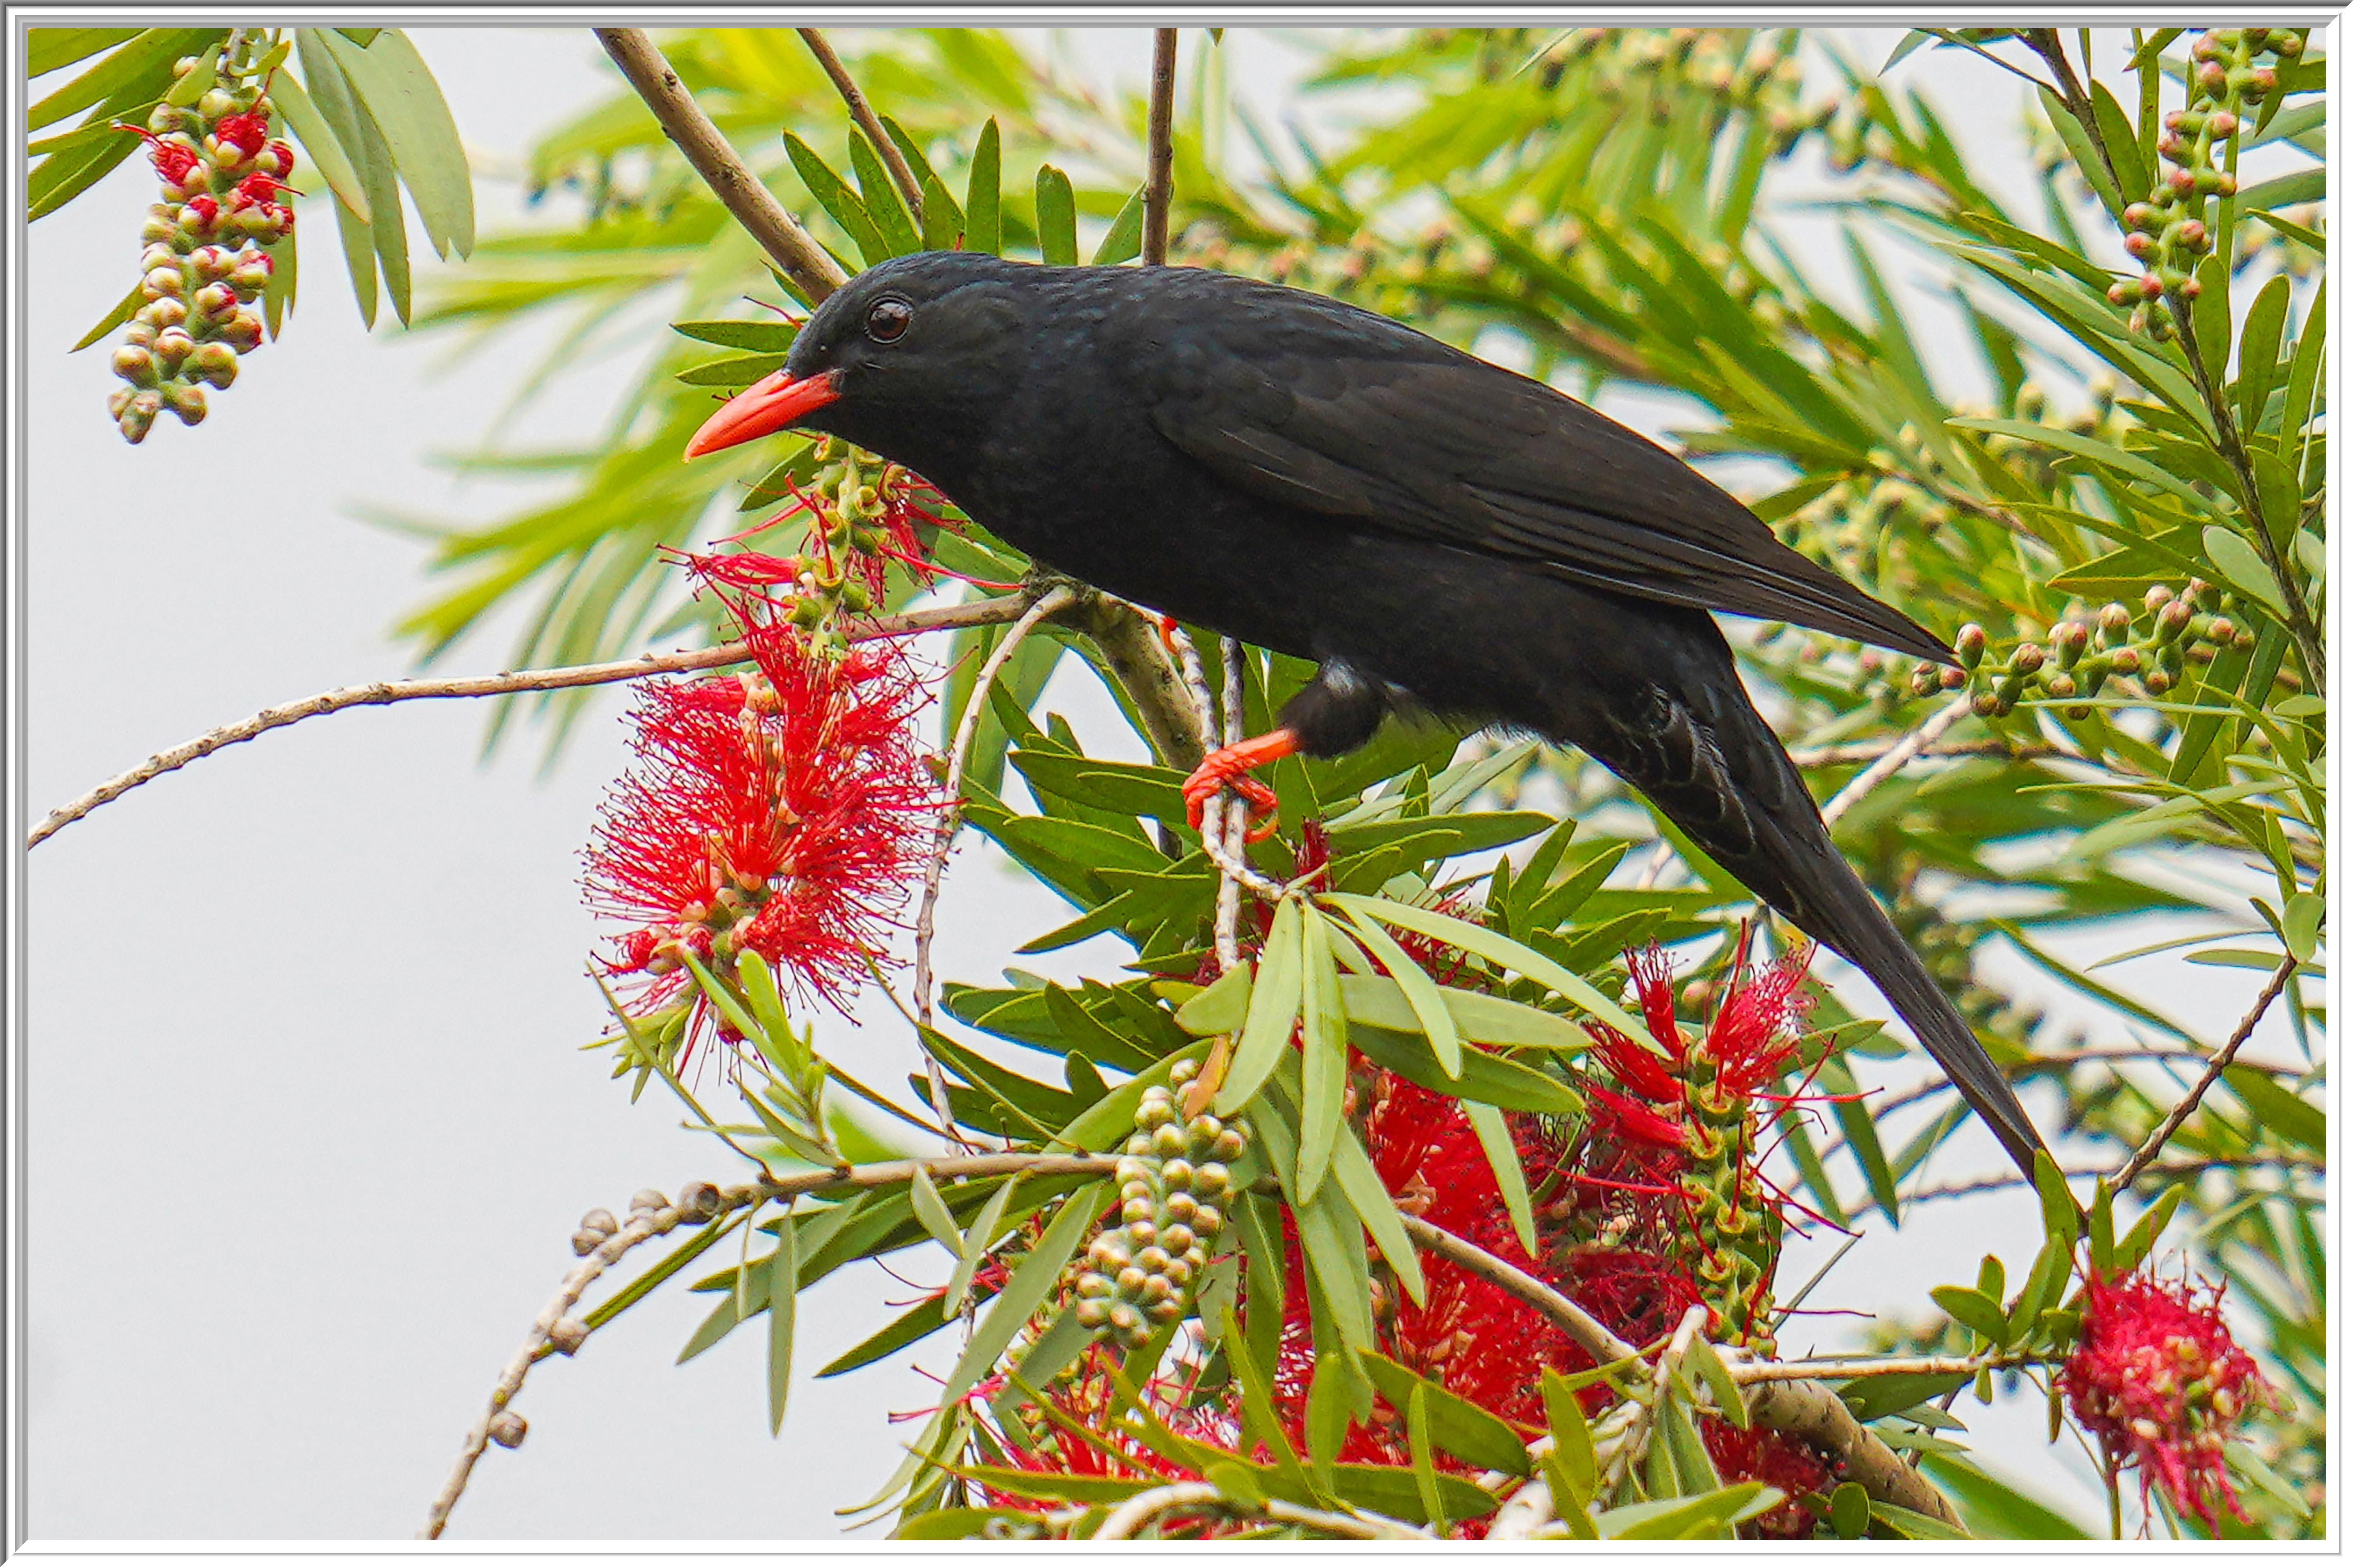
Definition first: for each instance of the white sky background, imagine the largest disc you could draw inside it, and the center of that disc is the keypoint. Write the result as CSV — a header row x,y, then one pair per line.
x,y
309,1130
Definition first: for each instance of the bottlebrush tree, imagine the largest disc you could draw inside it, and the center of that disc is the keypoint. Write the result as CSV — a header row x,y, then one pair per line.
x,y
1428,1168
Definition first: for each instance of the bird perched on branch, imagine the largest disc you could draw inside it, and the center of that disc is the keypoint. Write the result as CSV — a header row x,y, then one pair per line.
x,y
1432,529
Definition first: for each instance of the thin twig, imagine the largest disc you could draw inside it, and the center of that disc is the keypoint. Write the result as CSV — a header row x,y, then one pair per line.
x,y
1840,1367
708,152
885,147
1213,842
1235,831
1848,753
1161,151
1905,749
2168,1170
980,612
2062,1060
1124,1522
1592,1335
702,1203
952,818
2157,1141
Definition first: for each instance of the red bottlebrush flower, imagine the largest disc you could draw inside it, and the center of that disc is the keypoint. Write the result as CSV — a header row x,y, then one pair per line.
x,y
1755,1032
1791,1465
781,812
2156,1377
247,133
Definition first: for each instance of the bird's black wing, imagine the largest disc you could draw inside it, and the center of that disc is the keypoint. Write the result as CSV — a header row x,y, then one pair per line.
x,y
1418,439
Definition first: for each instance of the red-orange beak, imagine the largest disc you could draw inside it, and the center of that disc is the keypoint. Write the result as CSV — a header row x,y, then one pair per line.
x,y
763,408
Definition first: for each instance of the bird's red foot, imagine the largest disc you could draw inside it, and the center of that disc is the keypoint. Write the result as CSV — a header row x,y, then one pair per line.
x,y
1228,768
1169,634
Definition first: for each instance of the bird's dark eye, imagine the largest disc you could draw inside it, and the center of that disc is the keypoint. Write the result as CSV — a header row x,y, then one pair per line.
x,y
888,319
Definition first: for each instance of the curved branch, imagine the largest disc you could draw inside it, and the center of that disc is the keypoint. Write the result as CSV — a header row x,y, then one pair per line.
x,y
700,1203
951,817
1159,150
885,148
980,612
2155,1143
1905,749
789,245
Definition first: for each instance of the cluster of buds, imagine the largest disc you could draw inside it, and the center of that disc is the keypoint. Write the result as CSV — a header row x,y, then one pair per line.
x,y
205,260
862,514
1173,1176
2176,629
1746,70
2170,231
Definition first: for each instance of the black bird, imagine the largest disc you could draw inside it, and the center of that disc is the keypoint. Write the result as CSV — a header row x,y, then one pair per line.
x,y
1431,529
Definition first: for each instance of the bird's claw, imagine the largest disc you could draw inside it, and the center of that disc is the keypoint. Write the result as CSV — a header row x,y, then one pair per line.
x,y
1229,768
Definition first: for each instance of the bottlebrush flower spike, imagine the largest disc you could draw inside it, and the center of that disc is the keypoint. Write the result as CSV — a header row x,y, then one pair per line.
x,y
2157,1376
781,812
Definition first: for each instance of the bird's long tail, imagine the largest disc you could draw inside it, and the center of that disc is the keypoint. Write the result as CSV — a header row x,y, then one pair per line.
x,y
1690,740
1851,923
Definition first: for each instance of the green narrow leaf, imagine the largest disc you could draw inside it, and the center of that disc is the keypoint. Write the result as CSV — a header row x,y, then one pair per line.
x,y
2305,373
1124,241
1504,1161
1730,1401
1417,1437
1421,992
976,1246
321,145
2138,1240
1974,1311
1324,1051
54,48
2124,145
390,78
2260,343
882,196
122,312
1058,218
1573,1439
2061,1215
932,1212
1497,949
2237,562
2079,148
1274,1008
1221,1007
66,173
981,230
140,67
833,193
784,1287
2210,315
943,219
350,123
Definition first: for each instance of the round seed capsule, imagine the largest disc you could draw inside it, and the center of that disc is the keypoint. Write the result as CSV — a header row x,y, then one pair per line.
x,y
1143,1233
1094,1284
1092,1313
1176,1238
1207,1221
1179,1071
1210,1181
1137,1209
1130,1169
1168,1309
1169,1142
1230,1144
1153,1260
1131,1280
1181,1207
1176,1173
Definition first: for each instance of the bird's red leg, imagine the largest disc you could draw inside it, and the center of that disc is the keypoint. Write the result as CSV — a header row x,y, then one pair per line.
x,y
1228,768
1169,634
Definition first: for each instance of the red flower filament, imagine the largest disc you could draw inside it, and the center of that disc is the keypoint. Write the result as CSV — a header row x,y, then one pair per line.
x,y
778,813
2156,1377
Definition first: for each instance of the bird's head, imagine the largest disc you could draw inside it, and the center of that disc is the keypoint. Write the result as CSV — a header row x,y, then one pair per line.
x,y
901,358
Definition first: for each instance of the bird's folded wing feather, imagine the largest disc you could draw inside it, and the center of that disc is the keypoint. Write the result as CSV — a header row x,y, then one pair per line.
x,y
1463,453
